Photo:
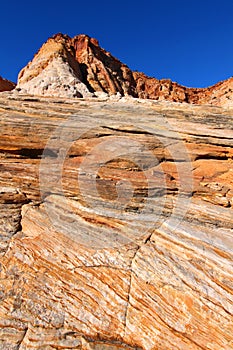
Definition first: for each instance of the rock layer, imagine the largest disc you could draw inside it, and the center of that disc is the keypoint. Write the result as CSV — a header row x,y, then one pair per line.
x,y
116,224
76,67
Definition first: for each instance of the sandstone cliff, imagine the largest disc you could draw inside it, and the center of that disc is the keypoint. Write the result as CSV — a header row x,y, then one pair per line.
x,y
6,85
115,224
79,67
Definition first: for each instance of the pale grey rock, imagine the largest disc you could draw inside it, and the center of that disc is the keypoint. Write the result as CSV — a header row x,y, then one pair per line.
x,y
57,79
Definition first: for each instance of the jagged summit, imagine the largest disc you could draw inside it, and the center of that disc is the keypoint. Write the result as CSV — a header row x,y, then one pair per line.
x,y
73,67
79,67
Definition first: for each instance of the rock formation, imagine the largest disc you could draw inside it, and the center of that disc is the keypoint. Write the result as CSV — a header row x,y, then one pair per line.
x,y
220,94
53,72
116,222
75,68
101,71
79,67
6,85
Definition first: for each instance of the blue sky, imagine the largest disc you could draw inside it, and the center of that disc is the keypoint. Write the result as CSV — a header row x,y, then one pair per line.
x,y
190,41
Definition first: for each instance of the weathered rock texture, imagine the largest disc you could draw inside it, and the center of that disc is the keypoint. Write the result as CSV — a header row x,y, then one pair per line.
x,y
76,67
116,225
6,85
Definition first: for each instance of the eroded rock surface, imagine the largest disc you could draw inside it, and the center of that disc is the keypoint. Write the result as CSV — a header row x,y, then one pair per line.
x,y
116,224
101,71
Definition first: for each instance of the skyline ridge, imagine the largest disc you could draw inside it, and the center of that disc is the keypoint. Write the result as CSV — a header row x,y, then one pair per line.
x,y
80,67
137,70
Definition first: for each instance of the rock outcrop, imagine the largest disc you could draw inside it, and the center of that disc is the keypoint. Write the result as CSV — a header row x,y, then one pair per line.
x,y
53,72
220,94
79,67
116,224
102,72
6,85
75,68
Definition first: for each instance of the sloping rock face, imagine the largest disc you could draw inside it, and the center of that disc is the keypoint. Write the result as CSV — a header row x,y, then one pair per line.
x,y
116,225
79,67
6,85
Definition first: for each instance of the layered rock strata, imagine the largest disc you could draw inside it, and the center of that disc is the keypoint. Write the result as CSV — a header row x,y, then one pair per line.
x,y
116,225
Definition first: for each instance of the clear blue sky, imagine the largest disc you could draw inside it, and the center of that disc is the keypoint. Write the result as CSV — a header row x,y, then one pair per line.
x,y
190,41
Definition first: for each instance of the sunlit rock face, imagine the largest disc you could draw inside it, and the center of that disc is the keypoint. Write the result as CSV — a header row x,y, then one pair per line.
x,y
115,224
79,67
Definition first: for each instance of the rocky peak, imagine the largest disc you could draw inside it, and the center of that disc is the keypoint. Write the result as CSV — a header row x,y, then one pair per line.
x,y
92,70
6,85
83,41
79,67
102,71
53,71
